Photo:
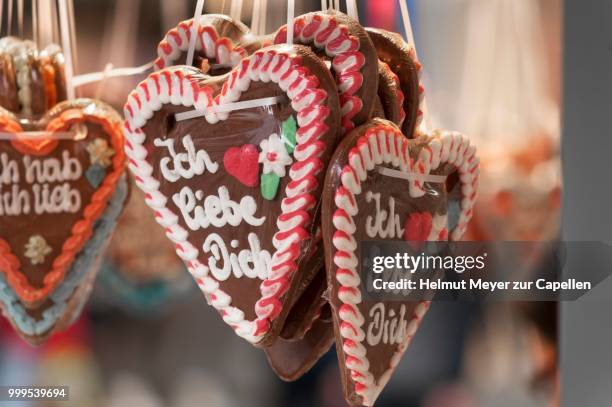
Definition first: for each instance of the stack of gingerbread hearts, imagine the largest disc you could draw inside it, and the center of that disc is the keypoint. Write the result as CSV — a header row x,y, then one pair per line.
x,y
62,189
267,164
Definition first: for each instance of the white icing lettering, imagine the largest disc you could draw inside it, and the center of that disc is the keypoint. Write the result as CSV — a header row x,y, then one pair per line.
x,y
47,186
387,328
251,263
9,170
52,169
215,210
186,164
375,227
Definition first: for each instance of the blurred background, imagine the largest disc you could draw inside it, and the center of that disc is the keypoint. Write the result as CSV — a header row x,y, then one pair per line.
x,y
491,70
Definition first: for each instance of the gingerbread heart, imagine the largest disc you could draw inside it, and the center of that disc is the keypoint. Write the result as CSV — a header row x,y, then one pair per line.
x,y
217,47
307,308
246,246
291,359
400,58
390,96
341,41
373,194
59,202
32,81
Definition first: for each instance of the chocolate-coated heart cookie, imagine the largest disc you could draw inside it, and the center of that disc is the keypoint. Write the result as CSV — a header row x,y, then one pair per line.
x,y
238,192
365,202
217,48
59,201
390,96
31,80
400,58
345,45
290,360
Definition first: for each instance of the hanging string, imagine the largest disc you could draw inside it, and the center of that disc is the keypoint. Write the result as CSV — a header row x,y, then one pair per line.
x,y
290,16
351,9
100,87
255,18
84,79
337,5
67,47
323,5
410,39
10,17
20,17
263,16
35,21
45,26
72,32
55,23
194,32
236,9
229,107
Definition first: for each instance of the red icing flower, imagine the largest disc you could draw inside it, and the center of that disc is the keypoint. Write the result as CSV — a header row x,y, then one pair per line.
x,y
417,228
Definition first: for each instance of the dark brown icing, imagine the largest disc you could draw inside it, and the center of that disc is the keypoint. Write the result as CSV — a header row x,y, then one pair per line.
x,y
290,360
393,51
433,202
242,127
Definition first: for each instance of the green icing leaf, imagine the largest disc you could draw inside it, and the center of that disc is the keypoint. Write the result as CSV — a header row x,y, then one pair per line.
x,y
269,185
289,127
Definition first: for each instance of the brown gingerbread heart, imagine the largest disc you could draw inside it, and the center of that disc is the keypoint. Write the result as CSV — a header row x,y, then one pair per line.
x,y
217,47
246,245
401,60
390,96
59,188
31,80
291,359
374,195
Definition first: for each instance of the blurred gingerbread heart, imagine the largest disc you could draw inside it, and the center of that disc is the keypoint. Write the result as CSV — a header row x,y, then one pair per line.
x,y
61,194
217,47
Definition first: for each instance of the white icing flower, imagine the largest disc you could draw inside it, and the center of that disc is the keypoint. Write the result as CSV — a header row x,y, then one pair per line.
x,y
274,156
100,153
36,249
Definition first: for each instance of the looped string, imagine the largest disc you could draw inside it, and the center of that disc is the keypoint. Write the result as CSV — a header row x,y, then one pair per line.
x,y
84,79
194,32
290,17
411,176
79,133
228,107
